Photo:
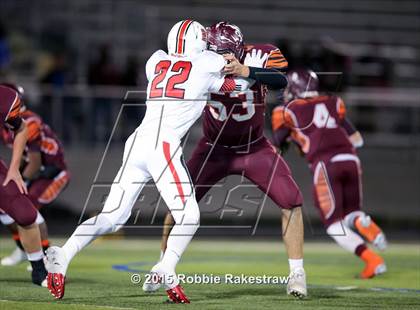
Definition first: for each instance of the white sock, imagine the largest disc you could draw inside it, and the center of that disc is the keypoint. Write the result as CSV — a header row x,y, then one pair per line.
x,y
344,236
178,240
85,233
295,264
39,218
35,256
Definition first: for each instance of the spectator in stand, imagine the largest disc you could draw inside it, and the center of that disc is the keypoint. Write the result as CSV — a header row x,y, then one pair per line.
x,y
102,72
131,114
5,56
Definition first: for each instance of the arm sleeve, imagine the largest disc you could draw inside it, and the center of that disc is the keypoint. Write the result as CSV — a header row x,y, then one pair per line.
x,y
273,78
348,126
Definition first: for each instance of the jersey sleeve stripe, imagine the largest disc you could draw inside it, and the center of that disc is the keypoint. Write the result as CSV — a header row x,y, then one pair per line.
x,y
34,130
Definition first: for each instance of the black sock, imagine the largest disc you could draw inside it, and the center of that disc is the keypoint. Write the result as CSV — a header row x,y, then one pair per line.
x,y
38,265
39,273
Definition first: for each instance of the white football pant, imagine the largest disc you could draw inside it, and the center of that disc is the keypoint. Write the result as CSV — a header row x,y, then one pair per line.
x,y
146,158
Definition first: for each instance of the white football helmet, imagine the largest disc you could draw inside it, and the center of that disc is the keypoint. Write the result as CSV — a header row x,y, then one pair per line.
x,y
187,38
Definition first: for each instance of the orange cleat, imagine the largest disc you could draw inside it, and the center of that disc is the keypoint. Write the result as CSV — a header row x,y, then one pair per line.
x,y
375,265
366,227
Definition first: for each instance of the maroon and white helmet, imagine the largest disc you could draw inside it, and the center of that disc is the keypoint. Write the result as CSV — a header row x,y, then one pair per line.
x,y
224,37
21,93
19,89
302,83
187,38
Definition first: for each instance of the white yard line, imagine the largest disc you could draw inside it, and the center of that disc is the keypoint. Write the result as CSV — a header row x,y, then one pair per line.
x,y
78,305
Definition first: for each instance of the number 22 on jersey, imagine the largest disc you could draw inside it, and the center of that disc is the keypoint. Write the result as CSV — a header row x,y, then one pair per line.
x,y
170,88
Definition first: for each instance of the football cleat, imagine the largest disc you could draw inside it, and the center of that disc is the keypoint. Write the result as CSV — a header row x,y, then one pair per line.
x,y
177,295
152,284
375,265
366,227
18,256
56,264
296,285
56,284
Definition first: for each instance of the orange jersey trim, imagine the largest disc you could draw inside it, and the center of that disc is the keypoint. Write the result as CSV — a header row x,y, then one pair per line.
x,y
281,117
34,129
341,108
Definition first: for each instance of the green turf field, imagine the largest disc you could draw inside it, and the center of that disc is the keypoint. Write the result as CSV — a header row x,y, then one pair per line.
x,y
94,284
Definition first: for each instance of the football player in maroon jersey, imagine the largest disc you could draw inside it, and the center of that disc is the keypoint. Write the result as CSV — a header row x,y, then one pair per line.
x,y
13,199
234,142
319,126
43,169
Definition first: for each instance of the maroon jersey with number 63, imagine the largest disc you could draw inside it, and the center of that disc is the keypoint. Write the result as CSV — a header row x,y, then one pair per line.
x,y
237,119
315,124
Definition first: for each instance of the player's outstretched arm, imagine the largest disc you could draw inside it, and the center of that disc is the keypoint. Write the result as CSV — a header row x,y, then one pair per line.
x,y
33,167
281,129
253,69
354,135
13,174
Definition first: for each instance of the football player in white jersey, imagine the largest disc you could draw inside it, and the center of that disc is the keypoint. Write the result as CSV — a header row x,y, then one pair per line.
x,y
178,84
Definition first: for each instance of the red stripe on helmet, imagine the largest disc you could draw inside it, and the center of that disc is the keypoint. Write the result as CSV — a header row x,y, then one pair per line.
x,y
180,37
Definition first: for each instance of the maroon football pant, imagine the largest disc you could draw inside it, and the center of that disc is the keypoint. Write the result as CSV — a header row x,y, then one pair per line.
x,y
337,187
261,164
44,191
13,203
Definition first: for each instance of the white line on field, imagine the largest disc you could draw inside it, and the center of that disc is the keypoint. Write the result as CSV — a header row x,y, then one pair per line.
x,y
81,305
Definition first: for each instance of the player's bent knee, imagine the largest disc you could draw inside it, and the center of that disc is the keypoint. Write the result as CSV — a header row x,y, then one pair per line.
x,y
22,211
190,214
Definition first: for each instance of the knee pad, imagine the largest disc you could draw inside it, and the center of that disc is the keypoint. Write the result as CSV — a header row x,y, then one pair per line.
x,y
6,219
24,213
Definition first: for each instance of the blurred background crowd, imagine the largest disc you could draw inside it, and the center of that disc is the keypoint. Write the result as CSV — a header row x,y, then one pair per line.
x,y
77,59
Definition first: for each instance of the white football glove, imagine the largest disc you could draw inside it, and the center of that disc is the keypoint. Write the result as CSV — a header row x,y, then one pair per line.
x,y
255,59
